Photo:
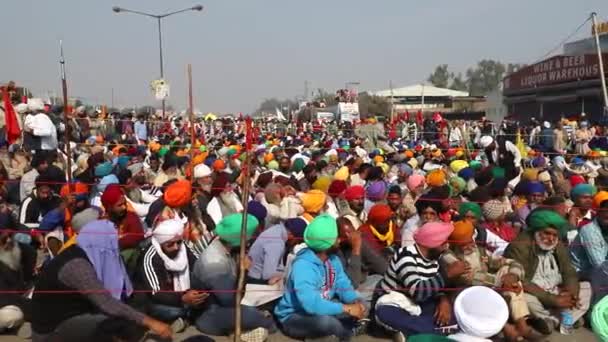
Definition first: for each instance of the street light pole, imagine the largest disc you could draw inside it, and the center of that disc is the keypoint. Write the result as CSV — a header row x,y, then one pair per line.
x,y
159,18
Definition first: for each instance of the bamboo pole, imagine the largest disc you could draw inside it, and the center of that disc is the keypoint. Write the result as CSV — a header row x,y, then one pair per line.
x,y
66,135
242,254
191,118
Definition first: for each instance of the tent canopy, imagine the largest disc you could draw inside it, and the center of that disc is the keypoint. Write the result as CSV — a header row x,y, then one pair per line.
x,y
419,90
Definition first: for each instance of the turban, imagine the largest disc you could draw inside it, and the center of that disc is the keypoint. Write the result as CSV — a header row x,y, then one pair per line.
x,y
475,165
298,165
103,169
576,180
539,161
84,217
178,194
337,187
168,230
493,209
322,183
535,188
433,234
313,201
273,165
544,177
530,174
413,163
406,168
498,172
105,181
458,165
342,173
123,161
385,168
258,210
599,198
463,233
198,159
414,181
560,162
111,196
80,190
53,219
321,234
409,154
268,157
458,184
466,173
435,178
295,226
599,319
540,219
486,141
219,165
378,159
229,228
480,312
428,338
582,190
472,207
379,214
376,190
354,192
201,171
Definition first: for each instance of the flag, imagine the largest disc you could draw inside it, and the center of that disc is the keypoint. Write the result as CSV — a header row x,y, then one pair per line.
x,y
13,132
407,115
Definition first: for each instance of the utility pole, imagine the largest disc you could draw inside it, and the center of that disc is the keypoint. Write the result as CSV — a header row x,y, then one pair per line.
x,y
306,91
600,60
390,84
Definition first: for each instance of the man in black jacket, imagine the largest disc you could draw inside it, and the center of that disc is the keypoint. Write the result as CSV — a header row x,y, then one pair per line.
x,y
38,203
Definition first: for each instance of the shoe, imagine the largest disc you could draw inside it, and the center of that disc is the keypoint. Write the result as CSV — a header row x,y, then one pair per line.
x,y
25,331
255,335
361,327
539,325
178,325
399,337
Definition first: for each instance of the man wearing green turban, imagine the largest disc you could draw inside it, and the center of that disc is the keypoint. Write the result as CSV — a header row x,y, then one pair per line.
x,y
216,272
319,299
551,283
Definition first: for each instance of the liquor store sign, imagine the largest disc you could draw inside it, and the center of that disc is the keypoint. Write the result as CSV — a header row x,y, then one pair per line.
x,y
558,69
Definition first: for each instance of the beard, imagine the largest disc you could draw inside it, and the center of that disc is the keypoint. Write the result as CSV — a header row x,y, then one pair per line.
x,y
206,188
11,257
117,217
435,253
229,200
542,245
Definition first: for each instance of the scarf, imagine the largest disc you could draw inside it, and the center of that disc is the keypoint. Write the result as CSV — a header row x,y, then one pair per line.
x,y
388,237
178,267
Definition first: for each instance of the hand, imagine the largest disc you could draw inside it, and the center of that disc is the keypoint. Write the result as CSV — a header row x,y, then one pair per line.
x,y
443,312
194,298
157,327
565,301
275,279
246,263
356,310
457,268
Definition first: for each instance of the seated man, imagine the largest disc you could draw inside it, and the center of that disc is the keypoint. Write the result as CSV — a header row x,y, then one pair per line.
x,y
379,231
216,271
589,249
268,251
492,271
412,300
319,300
550,283
16,271
165,270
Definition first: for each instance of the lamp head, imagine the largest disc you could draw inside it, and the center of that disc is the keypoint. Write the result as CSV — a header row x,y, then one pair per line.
x,y
197,8
116,9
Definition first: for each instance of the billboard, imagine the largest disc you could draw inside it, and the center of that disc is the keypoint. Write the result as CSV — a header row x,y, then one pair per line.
x,y
348,111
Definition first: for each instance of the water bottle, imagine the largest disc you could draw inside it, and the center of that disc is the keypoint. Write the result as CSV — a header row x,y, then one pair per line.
x,y
567,323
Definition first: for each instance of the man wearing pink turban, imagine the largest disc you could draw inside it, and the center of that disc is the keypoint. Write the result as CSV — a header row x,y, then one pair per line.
x,y
412,299
415,184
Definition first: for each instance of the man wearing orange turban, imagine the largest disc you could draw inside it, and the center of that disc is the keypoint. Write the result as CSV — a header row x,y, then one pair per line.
x,y
436,178
178,194
379,232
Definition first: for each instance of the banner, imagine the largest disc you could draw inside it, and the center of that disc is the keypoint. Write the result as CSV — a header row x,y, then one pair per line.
x,y
160,89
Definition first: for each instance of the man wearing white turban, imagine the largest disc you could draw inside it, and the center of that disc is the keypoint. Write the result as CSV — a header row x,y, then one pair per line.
x,y
502,153
477,322
165,271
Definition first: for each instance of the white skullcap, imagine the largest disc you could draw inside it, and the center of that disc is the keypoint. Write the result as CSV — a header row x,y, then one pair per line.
x,y
35,105
21,108
480,311
547,124
167,230
202,170
486,140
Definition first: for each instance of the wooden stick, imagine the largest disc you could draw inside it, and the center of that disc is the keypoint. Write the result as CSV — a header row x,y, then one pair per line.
x,y
66,136
242,255
191,118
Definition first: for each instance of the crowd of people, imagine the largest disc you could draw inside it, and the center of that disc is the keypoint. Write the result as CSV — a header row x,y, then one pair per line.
x,y
423,237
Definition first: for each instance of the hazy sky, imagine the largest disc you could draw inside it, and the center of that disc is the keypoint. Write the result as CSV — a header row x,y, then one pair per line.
x,y
248,50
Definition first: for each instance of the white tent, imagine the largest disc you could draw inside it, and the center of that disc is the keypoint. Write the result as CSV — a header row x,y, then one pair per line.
x,y
420,90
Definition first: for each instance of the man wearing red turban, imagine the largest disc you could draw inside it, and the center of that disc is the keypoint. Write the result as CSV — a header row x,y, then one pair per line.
x,y
379,232
130,229
352,206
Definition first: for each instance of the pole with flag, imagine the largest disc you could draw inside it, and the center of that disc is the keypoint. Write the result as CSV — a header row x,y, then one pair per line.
x,y
66,134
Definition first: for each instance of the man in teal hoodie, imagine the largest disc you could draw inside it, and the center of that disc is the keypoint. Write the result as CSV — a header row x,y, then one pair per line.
x,y
319,300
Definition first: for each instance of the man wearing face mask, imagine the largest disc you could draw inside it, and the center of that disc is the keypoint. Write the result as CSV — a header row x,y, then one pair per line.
x,y
551,284
412,300
128,224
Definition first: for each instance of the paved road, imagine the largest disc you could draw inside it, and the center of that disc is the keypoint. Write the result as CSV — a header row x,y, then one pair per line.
x,y
581,335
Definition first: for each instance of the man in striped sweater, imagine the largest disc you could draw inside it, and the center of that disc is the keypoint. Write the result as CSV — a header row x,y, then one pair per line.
x,y
412,299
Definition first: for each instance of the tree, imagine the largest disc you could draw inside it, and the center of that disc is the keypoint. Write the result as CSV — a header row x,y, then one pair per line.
x,y
270,105
440,77
485,77
326,97
514,67
458,83
370,105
